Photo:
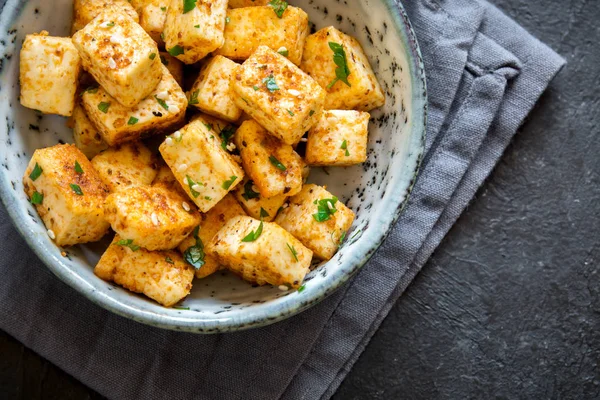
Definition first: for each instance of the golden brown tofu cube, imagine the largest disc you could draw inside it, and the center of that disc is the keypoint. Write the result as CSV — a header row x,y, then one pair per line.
x,y
274,166
120,56
211,92
165,178
153,217
49,70
273,256
255,205
153,14
211,222
160,275
124,166
163,110
194,29
278,95
247,3
174,66
363,92
338,139
202,167
318,219
85,135
251,27
68,194
84,11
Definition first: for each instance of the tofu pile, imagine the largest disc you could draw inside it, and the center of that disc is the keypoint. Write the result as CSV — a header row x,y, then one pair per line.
x,y
242,100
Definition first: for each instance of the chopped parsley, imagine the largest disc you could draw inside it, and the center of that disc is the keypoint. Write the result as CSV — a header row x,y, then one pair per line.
x,y
110,24
270,83
194,98
162,103
191,184
226,134
37,171
342,238
208,198
252,236
103,106
197,26
301,288
283,51
256,88
176,50
248,192
132,121
76,189
194,255
344,146
277,163
227,184
339,58
169,260
279,6
290,112
91,89
181,308
311,113
293,251
263,213
163,9
78,168
208,126
128,243
188,5
37,198
152,56
325,209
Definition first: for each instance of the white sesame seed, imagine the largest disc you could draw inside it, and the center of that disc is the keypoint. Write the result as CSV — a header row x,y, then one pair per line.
x,y
186,206
177,135
286,205
294,92
112,63
196,188
254,188
329,205
231,146
304,139
173,108
116,39
182,167
51,234
162,94
154,219
284,288
169,141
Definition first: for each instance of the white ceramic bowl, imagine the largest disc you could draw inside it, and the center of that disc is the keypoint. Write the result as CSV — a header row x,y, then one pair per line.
x,y
376,191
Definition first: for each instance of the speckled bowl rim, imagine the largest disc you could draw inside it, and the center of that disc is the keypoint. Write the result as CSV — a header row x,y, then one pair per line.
x,y
256,318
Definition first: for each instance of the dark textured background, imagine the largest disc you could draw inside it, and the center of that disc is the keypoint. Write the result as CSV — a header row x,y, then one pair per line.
x,y
509,306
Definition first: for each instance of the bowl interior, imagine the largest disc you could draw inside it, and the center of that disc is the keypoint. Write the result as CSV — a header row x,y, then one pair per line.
x,y
375,191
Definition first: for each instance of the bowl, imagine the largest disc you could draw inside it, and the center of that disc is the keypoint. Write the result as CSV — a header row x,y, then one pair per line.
x,y
376,191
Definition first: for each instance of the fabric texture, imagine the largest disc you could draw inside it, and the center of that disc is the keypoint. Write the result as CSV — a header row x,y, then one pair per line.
x,y
484,75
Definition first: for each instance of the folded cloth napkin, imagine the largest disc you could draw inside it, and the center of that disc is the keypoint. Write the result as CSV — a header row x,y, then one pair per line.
x,y
484,73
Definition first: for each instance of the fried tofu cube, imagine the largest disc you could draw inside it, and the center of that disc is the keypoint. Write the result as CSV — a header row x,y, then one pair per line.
x,y
203,168
211,222
191,34
124,166
68,194
120,56
318,219
153,217
247,3
164,109
85,135
211,92
153,14
251,27
364,92
84,11
49,71
338,139
162,276
165,178
174,66
278,95
256,205
274,166
274,256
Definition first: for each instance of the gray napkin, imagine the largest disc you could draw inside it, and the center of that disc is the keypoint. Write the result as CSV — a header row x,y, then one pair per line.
x,y
485,73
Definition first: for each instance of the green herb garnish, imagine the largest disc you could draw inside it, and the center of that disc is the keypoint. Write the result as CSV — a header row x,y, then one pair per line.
x,y
270,83
152,56
339,58
311,113
164,60
325,209
256,88
162,103
279,6
194,97
191,184
208,126
37,198
169,260
78,168
227,20
290,112
128,243
194,255
293,251
344,146
188,5
37,171
103,106
277,163
283,51
248,192
301,288
226,135
263,213
342,238
163,9
111,24
252,236
76,189
176,51
181,308
132,121
227,184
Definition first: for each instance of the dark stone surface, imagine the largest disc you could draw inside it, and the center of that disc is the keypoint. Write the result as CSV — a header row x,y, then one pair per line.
x,y
509,306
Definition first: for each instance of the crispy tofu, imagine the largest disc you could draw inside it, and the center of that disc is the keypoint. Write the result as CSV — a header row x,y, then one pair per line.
x,y
211,92
120,56
211,222
153,14
153,217
256,205
278,95
251,27
49,71
203,168
85,11
160,275
174,66
274,166
364,92
338,139
247,3
162,110
190,35
85,135
275,257
73,194
165,178
300,219
124,166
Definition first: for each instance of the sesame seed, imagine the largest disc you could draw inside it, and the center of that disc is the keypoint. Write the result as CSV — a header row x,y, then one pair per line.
x,y
173,108
185,206
169,141
231,146
51,234
196,188
254,188
329,205
282,49
304,139
162,94
112,63
182,167
286,205
294,92
284,288
177,135
154,218
115,39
